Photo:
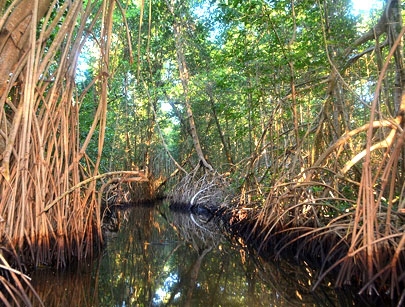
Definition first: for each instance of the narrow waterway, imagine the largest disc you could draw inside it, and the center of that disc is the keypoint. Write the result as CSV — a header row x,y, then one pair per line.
x,y
157,257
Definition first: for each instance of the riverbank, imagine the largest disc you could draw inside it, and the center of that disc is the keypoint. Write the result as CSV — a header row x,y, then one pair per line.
x,y
324,252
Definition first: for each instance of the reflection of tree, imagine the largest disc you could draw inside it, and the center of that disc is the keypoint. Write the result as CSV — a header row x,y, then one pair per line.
x,y
203,235
133,258
198,230
65,288
286,283
159,257
139,246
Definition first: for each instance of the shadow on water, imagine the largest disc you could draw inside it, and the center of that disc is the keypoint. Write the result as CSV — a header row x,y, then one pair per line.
x,y
157,257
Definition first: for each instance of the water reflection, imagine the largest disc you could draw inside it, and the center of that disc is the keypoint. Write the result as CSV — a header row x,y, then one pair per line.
x,y
162,258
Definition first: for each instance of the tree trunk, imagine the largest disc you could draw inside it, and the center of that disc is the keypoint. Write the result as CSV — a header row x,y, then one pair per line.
x,y
181,61
14,37
220,132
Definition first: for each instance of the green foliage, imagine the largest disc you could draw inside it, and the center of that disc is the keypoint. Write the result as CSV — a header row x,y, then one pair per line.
x,y
243,59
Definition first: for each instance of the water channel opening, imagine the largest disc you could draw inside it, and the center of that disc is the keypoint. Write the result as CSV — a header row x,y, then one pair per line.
x,y
155,256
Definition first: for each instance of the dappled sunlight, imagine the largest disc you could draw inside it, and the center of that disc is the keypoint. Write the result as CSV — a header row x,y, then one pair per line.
x,y
275,129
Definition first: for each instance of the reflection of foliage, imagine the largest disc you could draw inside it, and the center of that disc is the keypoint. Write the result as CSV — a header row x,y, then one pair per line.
x,y
125,271
160,257
66,288
198,230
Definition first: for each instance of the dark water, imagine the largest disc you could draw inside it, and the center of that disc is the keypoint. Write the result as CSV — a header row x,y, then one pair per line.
x,y
156,257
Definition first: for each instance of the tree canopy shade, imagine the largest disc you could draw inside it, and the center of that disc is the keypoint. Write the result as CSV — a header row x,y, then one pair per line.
x,y
286,103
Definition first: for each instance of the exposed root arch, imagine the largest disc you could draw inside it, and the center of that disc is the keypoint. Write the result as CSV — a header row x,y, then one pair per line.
x,y
200,189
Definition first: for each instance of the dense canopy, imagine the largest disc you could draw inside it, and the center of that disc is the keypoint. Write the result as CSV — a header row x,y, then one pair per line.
x,y
293,110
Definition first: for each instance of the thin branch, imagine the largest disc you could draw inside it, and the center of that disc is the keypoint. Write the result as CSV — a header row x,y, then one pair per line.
x,y
91,179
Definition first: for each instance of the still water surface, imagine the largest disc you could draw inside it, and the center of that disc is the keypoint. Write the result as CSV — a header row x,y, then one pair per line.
x,y
157,257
